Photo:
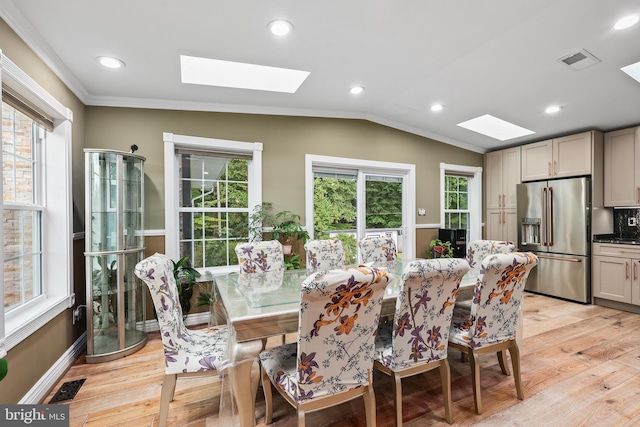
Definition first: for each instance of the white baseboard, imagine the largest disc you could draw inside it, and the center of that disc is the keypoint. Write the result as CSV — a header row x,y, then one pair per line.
x,y
40,390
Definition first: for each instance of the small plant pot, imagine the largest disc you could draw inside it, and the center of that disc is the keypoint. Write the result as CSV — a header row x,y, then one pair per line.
x,y
286,249
438,251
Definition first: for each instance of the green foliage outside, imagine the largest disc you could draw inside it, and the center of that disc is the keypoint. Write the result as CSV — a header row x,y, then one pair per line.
x,y
456,198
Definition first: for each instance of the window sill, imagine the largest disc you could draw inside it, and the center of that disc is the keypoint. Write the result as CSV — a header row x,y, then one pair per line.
x,y
22,325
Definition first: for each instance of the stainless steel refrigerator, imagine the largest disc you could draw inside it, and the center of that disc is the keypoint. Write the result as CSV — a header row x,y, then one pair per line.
x,y
554,222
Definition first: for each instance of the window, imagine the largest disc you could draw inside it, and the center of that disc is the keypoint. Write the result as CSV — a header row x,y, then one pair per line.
x,y
21,139
211,186
37,282
460,199
456,202
352,198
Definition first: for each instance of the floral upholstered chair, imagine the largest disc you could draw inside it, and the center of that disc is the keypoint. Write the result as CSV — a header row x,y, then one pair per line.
x,y
259,257
186,352
490,327
416,341
477,250
324,254
333,357
378,250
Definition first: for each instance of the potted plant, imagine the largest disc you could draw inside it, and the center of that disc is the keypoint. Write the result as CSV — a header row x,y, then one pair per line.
x,y
440,249
259,219
287,229
186,279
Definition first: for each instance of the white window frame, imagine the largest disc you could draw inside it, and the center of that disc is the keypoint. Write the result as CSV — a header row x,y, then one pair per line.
x,y
368,167
57,217
474,188
172,143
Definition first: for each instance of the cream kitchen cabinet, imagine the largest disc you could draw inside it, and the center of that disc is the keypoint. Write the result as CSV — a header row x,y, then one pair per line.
x,y
622,167
502,174
616,272
558,158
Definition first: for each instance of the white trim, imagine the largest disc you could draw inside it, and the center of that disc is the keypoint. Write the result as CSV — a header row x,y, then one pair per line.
x,y
46,382
427,226
158,232
474,192
57,224
406,170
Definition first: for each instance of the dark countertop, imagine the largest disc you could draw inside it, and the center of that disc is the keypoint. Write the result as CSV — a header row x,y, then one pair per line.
x,y
614,238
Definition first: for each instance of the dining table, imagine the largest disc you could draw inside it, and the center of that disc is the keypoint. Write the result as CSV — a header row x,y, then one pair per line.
x,y
262,305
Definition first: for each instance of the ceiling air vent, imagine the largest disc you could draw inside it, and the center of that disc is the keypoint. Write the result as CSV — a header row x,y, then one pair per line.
x,y
578,61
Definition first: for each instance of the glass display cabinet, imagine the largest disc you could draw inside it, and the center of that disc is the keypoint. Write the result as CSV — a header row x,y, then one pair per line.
x,y
114,244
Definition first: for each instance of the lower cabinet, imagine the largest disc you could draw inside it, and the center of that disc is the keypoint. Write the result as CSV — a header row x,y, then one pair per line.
x,y
501,225
616,273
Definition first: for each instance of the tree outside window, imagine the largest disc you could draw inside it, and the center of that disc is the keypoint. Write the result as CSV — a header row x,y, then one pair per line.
x,y
456,200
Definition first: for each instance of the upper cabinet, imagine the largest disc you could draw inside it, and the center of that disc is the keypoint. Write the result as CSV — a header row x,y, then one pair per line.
x,y
502,172
558,158
622,167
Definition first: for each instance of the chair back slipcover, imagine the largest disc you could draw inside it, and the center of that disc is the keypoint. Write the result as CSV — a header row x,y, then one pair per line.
x,y
257,257
338,320
424,310
184,350
497,296
378,250
477,250
324,254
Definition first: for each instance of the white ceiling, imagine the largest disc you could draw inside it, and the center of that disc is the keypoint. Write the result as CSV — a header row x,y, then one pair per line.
x,y
476,57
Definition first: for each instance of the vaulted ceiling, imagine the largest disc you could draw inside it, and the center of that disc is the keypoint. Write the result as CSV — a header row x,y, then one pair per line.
x,y
483,57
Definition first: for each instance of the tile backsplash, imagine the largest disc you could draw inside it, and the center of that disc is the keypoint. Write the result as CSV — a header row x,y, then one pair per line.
x,y
626,223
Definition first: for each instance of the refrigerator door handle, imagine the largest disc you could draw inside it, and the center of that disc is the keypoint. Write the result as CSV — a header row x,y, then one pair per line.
x,y
543,226
550,213
560,259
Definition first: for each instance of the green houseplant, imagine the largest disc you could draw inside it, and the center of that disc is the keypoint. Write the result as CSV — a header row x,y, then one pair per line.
x,y
440,249
186,279
287,229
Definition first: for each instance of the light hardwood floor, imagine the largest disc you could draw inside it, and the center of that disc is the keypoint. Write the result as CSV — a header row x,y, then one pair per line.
x,y
580,367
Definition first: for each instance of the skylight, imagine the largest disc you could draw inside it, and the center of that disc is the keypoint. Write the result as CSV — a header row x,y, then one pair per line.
x,y
495,128
214,72
633,70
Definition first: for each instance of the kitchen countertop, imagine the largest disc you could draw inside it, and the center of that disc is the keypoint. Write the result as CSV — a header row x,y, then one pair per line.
x,y
614,238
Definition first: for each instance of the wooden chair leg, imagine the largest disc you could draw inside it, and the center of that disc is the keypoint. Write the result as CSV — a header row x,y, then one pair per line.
x,y
517,375
474,362
370,406
300,417
268,398
397,398
166,396
502,360
445,379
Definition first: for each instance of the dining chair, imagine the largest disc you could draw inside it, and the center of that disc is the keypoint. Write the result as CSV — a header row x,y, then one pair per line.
x,y
416,340
477,250
331,361
491,324
187,352
378,250
325,254
256,257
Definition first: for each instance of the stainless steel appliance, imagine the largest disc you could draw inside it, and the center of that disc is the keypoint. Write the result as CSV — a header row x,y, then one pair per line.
x,y
554,220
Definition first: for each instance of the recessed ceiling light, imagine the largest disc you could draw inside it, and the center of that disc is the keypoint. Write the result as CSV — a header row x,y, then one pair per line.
x,y
110,62
437,107
280,27
356,90
552,109
626,22
495,128
214,72
633,70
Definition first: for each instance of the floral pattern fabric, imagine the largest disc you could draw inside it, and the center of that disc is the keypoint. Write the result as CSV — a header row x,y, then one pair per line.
x,y
324,254
477,250
495,308
260,257
185,350
378,250
419,332
339,315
